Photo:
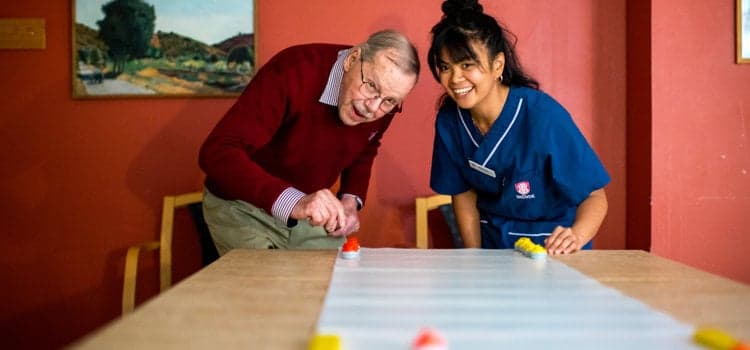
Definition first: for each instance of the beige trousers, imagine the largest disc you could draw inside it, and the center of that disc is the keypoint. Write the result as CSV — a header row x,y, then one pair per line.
x,y
239,224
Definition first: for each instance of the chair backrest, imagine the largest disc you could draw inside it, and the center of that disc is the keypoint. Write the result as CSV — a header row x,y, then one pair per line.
x,y
193,202
169,204
422,206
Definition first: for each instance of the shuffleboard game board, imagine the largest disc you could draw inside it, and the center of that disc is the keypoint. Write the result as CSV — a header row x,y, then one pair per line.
x,y
485,299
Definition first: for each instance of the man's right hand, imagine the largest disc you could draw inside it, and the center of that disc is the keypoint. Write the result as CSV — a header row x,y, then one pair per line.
x,y
321,208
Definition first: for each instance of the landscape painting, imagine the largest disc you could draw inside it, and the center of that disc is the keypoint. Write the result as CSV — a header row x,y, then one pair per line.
x,y
162,48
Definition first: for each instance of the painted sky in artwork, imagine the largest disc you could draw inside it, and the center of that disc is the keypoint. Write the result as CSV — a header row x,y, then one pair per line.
x,y
209,21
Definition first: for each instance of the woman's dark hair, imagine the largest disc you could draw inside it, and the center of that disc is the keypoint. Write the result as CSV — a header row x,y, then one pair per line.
x,y
464,22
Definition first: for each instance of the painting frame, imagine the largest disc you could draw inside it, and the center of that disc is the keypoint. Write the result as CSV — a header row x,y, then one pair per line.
x,y
179,60
742,25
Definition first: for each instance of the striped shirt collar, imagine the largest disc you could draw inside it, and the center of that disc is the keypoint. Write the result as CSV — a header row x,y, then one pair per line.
x,y
330,94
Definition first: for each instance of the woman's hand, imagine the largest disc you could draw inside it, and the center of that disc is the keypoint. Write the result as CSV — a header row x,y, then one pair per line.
x,y
563,241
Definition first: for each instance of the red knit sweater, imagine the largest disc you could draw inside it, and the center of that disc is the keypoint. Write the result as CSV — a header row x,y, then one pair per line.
x,y
278,135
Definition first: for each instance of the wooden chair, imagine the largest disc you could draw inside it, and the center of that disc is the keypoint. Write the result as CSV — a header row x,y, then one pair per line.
x,y
193,202
423,205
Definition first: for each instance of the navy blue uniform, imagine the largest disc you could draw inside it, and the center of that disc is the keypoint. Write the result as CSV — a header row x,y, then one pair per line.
x,y
530,171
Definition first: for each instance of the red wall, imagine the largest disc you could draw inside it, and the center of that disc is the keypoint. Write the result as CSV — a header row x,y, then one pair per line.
x,y
83,179
701,138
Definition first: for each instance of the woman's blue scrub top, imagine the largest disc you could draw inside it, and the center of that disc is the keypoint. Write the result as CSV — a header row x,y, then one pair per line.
x,y
530,171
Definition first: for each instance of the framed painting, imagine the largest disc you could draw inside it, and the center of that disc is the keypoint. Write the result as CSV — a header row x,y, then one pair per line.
x,y
162,48
743,31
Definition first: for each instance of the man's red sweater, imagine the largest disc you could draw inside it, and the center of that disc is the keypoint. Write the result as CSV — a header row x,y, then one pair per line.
x,y
278,135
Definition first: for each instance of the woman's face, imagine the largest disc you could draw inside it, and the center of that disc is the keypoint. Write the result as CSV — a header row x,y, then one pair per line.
x,y
469,82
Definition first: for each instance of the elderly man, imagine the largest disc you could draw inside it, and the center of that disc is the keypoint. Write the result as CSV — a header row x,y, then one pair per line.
x,y
312,114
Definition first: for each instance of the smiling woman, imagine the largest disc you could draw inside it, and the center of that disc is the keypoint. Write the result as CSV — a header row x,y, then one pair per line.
x,y
162,48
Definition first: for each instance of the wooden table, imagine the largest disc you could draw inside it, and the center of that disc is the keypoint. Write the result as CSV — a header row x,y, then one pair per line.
x,y
271,299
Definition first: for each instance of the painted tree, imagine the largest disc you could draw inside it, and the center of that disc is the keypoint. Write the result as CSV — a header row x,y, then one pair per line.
x,y
127,28
240,54
96,58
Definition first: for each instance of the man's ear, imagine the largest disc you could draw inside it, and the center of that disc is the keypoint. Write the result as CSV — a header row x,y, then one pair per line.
x,y
352,57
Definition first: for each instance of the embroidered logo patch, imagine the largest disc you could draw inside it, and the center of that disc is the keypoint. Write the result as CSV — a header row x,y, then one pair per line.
x,y
523,188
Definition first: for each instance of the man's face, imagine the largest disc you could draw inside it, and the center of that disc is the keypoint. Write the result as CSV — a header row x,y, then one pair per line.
x,y
370,90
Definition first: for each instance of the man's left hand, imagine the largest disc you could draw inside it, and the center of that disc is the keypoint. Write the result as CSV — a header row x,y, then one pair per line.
x,y
351,215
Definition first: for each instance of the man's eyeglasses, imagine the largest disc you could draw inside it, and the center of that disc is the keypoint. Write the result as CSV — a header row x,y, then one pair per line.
x,y
371,92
